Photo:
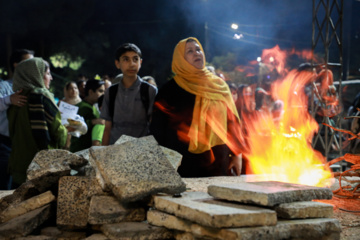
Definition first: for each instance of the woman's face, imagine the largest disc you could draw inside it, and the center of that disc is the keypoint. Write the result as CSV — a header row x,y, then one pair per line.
x,y
249,99
47,78
194,55
72,90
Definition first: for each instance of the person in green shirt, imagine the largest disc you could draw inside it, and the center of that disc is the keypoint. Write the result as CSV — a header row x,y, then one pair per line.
x,y
87,109
36,125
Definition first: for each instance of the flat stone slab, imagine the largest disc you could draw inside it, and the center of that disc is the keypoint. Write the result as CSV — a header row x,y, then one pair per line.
x,y
58,234
136,169
23,225
268,193
49,165
97,236
323,228
26,206
73,201
201,208
135,231
107,209
25,191
304,210
172,156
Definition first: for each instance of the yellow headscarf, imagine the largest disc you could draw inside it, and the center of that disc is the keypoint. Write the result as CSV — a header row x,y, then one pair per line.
x,y
209,126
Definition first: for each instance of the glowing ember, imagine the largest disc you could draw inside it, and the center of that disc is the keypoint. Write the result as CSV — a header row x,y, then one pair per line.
x,y
280,140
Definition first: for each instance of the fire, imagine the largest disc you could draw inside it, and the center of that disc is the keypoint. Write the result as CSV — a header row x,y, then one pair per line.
x,y
281,148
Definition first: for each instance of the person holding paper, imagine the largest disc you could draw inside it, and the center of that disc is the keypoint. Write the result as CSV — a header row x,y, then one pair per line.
x,y
93,90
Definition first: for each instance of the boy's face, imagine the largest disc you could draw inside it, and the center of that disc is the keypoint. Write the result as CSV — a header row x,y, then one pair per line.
x,y
129,63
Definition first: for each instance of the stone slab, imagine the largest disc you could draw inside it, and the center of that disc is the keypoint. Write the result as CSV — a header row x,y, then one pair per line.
x,y
26,206
172,156
97,236
58,234
323,228
23,225
135,231
36,237
304,210
74,201
49,165
107,209
201,208
136,169
23,192
268,193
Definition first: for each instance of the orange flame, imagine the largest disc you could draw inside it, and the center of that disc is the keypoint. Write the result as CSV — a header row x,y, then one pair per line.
x,y
282,148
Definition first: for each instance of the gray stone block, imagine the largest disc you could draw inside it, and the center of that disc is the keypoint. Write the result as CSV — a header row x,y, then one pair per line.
x,y
268,193
136,169
25,191
135,231
172,156
49,165
58,234
23,225
28,205
201,208
304,210
107,209
323,228
97,236
74,200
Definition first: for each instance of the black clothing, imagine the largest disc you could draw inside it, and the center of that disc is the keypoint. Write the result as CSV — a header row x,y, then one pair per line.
x,y
171,121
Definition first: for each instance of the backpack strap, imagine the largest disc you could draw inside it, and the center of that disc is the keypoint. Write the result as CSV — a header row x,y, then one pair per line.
x,y
145,98
112,95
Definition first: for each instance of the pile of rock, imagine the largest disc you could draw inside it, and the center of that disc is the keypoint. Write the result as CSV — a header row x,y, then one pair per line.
x,y
131,190
99,193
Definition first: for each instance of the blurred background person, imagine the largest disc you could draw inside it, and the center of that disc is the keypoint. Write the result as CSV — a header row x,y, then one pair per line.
x,y
94,89
150,80
71,93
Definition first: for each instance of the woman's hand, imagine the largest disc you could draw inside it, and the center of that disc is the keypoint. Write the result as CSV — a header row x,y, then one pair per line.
x,y
17,99
235,165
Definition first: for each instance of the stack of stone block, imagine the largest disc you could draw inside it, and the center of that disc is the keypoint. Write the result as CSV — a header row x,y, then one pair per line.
x,y
98,193
253,210
131,190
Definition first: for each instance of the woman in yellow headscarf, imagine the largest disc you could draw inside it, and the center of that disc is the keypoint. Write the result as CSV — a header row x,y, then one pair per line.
x,y
194,114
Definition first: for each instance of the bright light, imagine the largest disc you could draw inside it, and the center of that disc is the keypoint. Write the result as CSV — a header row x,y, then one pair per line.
x,y
258,59
271,59
237,36
234,26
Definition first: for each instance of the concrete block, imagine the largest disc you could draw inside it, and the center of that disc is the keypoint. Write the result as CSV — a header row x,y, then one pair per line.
x,y
74,201
268,193
23,225
304,210
135,231
26,206
107,209
201,208
323,228
136,169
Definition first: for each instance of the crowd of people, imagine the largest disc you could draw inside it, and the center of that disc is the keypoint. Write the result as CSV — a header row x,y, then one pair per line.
x,y
197,113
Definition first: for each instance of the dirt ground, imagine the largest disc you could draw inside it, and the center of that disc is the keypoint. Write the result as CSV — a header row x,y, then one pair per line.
x,y
350,224
347,211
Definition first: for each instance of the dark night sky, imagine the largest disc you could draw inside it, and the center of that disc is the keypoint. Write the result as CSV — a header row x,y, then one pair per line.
x,y
94,28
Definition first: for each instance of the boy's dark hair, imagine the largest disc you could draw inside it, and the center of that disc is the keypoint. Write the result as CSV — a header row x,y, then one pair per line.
x,y
92,84
17,56
127,47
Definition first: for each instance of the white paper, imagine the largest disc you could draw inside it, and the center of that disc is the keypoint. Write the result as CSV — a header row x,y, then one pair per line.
x,y
67,111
